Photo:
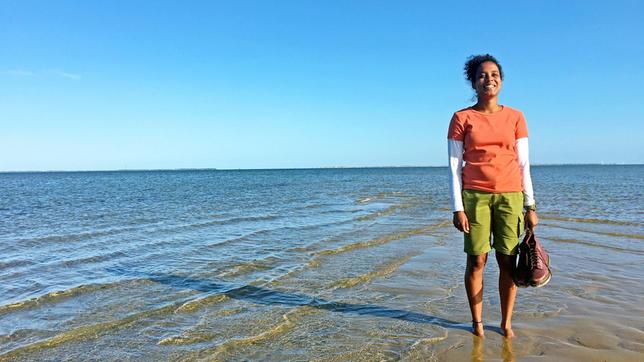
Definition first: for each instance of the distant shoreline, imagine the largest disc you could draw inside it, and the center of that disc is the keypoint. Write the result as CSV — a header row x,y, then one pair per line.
x,y
297,168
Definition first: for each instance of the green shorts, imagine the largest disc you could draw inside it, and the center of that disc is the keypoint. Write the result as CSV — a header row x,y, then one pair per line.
x,y
497,214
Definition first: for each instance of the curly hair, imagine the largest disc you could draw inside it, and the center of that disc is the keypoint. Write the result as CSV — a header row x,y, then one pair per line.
x,y
474,62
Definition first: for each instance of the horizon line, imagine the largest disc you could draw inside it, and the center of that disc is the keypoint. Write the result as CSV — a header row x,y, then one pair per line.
x,y
292,168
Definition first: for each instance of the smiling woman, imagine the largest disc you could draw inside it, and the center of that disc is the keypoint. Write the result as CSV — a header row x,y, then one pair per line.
x,y
491,189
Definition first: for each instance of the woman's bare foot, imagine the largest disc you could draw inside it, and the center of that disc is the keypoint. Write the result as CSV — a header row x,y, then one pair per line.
x,y
507,331
478,329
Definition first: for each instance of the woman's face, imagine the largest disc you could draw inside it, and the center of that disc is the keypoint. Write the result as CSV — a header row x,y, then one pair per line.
x,y
488,80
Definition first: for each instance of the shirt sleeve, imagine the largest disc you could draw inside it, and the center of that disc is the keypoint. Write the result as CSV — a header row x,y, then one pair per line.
x,y
521,129
455,156
523,154
456,129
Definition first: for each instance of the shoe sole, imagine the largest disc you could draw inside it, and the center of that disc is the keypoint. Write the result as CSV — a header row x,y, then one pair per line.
x,y
539,285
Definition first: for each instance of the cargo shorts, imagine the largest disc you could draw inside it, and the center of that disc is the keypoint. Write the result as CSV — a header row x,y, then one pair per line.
x,y
496,221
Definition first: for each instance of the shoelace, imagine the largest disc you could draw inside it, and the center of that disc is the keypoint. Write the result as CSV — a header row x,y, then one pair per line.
x,y
534,259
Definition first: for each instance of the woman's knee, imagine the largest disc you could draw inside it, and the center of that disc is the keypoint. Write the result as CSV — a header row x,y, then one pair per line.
x,y
506,262
476,263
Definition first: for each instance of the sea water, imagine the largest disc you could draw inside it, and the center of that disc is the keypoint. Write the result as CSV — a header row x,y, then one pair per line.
x,y
307,264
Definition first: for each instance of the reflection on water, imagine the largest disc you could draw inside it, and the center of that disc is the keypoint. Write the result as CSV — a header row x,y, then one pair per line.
x,y
508,352
477,349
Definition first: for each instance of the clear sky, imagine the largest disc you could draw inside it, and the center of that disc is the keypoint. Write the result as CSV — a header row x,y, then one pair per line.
x,y
93,85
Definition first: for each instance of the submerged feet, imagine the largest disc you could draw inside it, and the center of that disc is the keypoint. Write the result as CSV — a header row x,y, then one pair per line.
x,y
507,331
477,329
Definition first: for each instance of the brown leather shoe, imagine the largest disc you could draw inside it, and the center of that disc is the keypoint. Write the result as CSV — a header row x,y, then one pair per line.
x,y
533,268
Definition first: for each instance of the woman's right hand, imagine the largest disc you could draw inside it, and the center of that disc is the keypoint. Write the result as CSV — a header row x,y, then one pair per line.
x,y
460,222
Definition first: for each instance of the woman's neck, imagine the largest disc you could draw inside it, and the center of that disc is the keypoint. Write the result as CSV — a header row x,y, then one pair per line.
x,y
489,105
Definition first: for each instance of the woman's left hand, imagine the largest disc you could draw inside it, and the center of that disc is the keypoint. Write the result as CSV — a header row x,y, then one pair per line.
x,y
531,220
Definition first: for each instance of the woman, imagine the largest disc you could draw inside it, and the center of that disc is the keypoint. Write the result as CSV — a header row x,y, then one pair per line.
x,y
490,192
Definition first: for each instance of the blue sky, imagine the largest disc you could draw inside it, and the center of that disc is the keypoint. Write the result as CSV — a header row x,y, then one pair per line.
x,y
93,85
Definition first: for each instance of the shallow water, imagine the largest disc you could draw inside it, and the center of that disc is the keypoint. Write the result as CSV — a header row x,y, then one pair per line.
x,y
330,264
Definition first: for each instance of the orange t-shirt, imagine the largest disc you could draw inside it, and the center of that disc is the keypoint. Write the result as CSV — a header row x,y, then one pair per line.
x,y
489,148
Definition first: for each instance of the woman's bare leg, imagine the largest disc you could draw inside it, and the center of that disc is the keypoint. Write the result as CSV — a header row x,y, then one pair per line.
x,y
474,288
507,290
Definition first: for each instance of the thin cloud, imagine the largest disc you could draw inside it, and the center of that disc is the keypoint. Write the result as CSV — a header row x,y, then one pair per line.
x,y
20,73
29,73
72,76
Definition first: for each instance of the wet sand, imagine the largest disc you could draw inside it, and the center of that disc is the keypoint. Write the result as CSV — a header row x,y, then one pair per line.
x,y
409,305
